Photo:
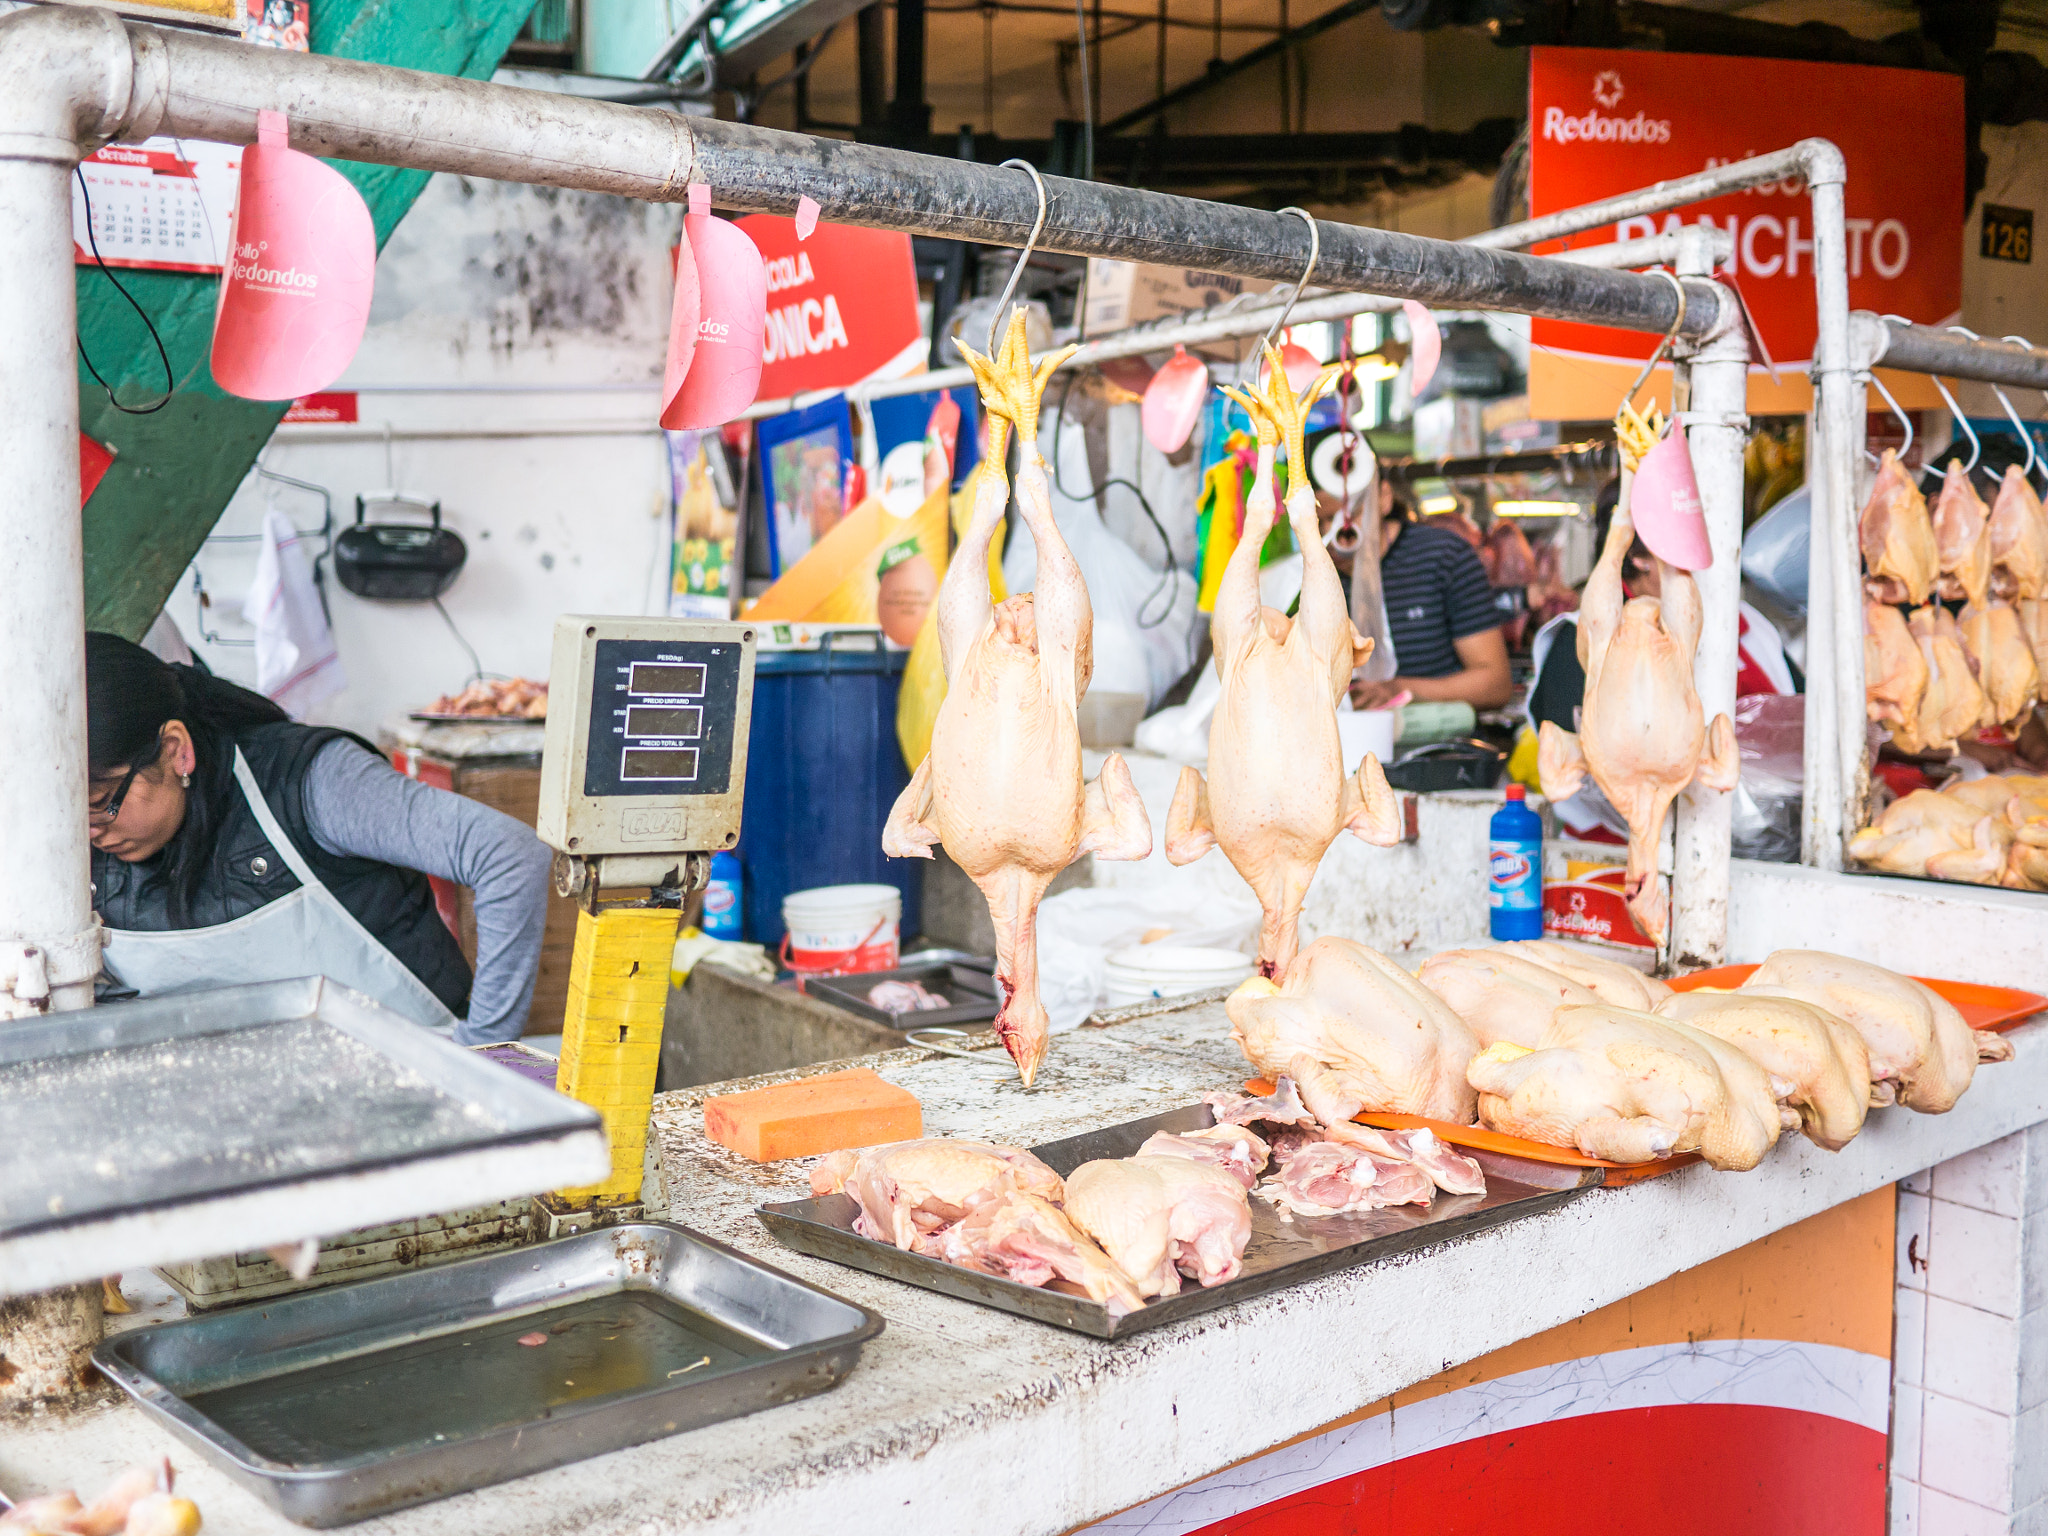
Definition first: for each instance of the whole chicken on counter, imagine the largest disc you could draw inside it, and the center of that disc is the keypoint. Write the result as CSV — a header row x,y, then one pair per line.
x,y
1986,831
1001,788
1356,1032
1642,733
1630,1087
1922,1052
1502,995
1276,795
1823,1059
1609,980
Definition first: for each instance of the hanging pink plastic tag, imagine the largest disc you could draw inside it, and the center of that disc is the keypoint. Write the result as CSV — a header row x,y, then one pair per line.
x,y
1665,503
725,367
1173,401
302,259
1427,344
806,217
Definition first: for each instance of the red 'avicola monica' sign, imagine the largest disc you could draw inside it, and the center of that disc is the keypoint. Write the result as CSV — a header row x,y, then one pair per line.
x,y
1606,122
842,306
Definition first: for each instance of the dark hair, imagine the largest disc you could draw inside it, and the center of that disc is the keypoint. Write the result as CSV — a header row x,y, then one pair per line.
x,y
130,696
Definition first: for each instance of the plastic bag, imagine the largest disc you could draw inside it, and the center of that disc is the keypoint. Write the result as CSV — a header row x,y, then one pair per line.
x,y
1144,617
1774,552
1180,732
1079,930
1770,734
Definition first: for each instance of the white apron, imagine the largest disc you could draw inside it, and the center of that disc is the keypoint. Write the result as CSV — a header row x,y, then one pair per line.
x,y
307,933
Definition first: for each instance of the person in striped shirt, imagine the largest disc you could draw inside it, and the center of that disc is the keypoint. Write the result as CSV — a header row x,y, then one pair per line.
x,y
1441,614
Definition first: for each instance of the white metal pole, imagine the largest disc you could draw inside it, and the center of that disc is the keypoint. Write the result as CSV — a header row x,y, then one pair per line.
x,y
1716,424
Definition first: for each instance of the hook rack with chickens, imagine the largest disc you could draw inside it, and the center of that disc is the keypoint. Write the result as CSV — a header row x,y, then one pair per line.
x,y
1315,254
1962,423
1905,420
2011,415
2023,341
1002,309
1664,345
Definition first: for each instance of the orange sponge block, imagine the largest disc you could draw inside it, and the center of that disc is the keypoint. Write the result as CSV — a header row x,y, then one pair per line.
x,y
813,1115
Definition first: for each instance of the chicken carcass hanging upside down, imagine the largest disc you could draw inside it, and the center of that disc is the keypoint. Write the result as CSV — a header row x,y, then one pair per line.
x,y
1001,788
1642,734
1277,795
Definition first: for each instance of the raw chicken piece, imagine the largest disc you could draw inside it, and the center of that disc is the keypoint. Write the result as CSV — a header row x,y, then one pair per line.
x,y
1277,795
1026,1238
909,1190
1962,538
1894,673
1953,701
1823,1058
1501,995
1449,1170
1934,834
137,1503
1994,793
2019,538
1897,537
1332,1178
1356,1032
1916,1038
1001,787
2026,868
1630,1087
2002,658
1642,735
905,997
51,1512
1237,1151
1163,1217
2033,612
1282,1106
1609,980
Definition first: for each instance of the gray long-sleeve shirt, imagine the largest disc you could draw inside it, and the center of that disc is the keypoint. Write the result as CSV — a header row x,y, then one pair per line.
x,y
359,806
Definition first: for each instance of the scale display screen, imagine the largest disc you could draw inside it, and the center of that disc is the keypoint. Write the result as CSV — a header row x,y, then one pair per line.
x,y
661,717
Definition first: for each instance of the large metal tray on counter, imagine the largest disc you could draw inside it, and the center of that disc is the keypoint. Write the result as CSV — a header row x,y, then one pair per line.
x,y
337,1405
1280,1253
970,990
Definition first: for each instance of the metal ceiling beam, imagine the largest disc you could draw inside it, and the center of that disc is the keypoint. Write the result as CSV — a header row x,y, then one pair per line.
x,y
1220,71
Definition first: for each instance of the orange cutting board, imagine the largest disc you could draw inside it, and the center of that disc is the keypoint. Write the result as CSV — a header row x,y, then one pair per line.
x,y
1481,1139
1982,1007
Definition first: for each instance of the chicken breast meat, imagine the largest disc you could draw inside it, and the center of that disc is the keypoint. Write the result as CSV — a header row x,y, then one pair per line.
x,y
1920,1048
1026,1238
1238,1152
1631,1087
1356,1032
1001,788
1823,1059
1336,1178
909,1190
1163,1217
1276,795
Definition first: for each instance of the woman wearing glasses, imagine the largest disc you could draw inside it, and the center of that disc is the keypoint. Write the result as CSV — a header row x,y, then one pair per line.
x,y
232,845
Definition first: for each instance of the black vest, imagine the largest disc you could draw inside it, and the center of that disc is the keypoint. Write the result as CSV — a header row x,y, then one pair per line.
x,y
245,872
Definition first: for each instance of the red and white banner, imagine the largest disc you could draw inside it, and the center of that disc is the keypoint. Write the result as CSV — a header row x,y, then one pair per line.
x,y
1606,122
842,306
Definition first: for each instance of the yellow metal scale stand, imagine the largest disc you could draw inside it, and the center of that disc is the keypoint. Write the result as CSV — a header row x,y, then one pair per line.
x,y
641,781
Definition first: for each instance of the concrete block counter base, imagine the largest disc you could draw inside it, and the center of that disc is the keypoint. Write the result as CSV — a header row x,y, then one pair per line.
x,y
961,1418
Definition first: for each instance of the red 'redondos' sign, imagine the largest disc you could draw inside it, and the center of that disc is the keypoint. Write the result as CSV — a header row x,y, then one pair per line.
x,y
842,305
1606,122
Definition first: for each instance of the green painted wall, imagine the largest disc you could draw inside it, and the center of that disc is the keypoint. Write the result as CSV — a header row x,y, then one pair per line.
x,y
174,470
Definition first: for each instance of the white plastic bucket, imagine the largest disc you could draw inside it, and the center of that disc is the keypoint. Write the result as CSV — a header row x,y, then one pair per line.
x,y
835,929
1168,970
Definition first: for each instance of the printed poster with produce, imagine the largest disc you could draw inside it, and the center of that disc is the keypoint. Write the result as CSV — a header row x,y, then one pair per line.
x,y
704,532
872,568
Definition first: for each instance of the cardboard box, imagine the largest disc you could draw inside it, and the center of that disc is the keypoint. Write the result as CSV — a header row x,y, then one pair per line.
x,y
1122,294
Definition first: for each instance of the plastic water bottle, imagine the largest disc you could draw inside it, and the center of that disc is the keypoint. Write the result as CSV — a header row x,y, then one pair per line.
x,y
722,897
1514,875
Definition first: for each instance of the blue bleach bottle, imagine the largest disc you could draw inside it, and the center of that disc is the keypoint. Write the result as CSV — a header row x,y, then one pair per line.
x,y
722,897
1514,874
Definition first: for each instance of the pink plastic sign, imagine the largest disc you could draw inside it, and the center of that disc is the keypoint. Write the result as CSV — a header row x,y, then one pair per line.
x,y
684,313
302,258
1665,504
1427,344
725,367
1301,366
1173,401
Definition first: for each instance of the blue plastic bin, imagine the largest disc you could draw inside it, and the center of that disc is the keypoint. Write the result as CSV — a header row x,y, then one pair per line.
x,y
823,772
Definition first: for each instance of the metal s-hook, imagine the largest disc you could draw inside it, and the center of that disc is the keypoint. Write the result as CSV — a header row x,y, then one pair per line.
x,y
2011,415
1956,412
2023,341
995,325
1315,254
1904,420
1669,336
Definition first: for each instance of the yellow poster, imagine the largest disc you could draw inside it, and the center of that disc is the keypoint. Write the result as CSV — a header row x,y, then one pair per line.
x,y
869,568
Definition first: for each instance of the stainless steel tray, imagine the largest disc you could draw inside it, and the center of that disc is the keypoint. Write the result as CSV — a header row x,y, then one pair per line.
x,y
970,989
1280,1252
341,1404
178,1128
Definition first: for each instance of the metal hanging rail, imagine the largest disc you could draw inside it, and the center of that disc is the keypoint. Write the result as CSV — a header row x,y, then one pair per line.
x,y
1880,342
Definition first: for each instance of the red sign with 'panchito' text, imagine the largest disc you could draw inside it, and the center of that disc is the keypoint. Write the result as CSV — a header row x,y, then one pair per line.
x,y
842,306
1606,122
